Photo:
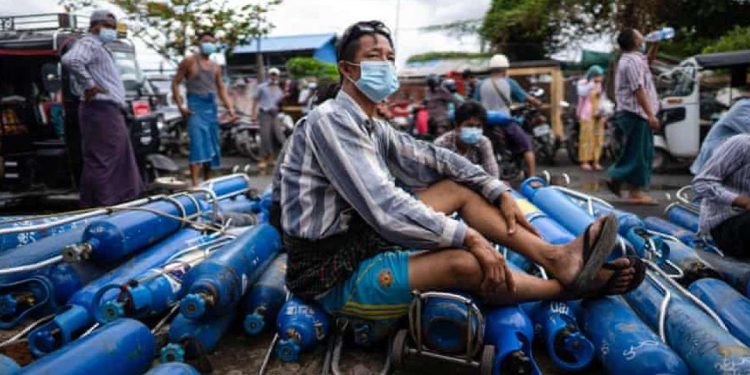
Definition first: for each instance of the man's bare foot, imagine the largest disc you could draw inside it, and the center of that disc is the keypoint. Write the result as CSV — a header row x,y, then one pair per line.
x,y
626,274
569,260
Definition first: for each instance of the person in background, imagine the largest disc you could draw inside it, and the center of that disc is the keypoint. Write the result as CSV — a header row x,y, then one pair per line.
x,y
591,135
437,101
110,171
637,105
736,121
724,185
450,86
308,96
496,93
268,98
467,139
203,81
471,84
243,103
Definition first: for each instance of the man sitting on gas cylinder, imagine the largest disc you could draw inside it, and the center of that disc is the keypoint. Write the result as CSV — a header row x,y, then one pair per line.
x,y
348,228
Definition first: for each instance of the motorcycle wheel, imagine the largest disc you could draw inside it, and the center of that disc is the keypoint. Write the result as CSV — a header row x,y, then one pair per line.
x,y
183,142
248,144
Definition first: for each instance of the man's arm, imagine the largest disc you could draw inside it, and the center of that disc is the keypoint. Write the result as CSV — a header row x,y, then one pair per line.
x,y
76,60
419,163
256,98
489,163
653,49
348,158
221,87
634,81
517,93
728,158
181,74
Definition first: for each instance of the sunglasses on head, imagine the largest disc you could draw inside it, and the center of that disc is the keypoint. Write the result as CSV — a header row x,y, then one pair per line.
x,y
362,28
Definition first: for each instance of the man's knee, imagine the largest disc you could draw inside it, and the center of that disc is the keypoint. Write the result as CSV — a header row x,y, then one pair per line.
x,y
455,189
464,268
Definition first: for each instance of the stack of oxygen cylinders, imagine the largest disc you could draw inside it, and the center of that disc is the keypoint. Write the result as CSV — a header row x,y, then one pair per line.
x,y
110,290
151,286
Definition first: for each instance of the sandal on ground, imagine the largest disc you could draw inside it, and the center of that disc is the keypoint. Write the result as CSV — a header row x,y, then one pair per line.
x,y
595,252
607,289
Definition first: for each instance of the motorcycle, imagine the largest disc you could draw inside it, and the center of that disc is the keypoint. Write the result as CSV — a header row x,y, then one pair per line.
x,y
536,124
239,135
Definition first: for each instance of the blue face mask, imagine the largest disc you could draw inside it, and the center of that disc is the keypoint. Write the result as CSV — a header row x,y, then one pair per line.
x,y
107,35
470,135
208,48
377,79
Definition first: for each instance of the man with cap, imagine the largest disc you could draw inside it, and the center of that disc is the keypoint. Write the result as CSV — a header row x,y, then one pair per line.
x,y
203,81
110,171
496,93
268,97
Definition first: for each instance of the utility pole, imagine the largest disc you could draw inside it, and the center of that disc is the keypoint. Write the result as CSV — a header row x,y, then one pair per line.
x,y
395,30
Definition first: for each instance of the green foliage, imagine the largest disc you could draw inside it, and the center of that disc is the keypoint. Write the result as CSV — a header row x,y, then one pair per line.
x,y
737,39
517,28
170,26
301,67
447,55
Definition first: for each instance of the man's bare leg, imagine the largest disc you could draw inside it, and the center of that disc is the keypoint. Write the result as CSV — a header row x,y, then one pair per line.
x,y
563,261
195,173
460,270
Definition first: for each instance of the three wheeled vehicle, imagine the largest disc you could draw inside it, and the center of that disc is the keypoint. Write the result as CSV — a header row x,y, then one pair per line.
x,y
40,138
689,104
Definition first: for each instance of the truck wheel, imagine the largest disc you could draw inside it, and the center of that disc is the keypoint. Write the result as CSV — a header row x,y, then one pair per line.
x,y
398,350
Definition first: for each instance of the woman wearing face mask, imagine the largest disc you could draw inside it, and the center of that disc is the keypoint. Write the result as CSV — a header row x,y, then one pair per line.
x,y
467,139
591,138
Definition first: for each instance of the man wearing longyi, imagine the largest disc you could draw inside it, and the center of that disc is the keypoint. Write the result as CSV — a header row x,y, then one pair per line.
x,y
349,229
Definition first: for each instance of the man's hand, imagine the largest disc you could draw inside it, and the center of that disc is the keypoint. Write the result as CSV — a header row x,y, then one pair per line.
x,y
653,122
91,92
497,274
185,111
232,114
742,201
513,215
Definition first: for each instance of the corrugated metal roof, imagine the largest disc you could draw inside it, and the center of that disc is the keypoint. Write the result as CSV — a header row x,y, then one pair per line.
x,y
287,43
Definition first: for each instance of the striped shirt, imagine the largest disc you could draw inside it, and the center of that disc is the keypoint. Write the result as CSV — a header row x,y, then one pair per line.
x,y
90,64
724,177
340,163
633,73
480,153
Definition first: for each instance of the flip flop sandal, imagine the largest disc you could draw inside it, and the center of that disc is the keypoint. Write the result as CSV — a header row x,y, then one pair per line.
x,y
596,253
614,187
640,274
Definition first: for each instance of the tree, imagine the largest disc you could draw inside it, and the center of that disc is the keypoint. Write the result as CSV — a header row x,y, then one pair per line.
x,y
170,26
737,39
517,28
301,67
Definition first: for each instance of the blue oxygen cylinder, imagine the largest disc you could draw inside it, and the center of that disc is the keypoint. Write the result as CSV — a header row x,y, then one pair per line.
x,y
510,330
217,284
555,323
624,344
80,307
300,327
173,368
262,303
241,204
662,226
120,235
124,347
445,323
733,271
550,230
8,366
12,240
191,339
227,186
696,337
647,245
683,217
731,306
689,262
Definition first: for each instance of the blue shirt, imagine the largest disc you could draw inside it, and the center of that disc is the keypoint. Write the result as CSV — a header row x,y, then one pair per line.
x,y
339,163
736,121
